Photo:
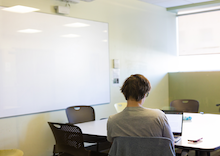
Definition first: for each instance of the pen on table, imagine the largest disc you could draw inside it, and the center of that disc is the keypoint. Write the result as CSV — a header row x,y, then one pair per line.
x,y
195,140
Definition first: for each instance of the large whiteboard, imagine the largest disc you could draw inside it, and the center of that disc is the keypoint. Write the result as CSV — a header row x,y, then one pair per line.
x,y
56,67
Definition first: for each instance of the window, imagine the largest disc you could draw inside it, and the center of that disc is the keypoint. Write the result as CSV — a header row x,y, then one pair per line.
x,y
199,33
199,42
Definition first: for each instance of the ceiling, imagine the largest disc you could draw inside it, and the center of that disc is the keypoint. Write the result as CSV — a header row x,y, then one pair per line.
x,y
174,3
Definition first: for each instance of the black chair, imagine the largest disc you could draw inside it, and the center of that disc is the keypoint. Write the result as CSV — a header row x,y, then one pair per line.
x,y
219,107
185,105
80,114
69,141
142,146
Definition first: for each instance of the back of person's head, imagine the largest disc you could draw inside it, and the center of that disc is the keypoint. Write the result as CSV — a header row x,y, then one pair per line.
x,y
136,87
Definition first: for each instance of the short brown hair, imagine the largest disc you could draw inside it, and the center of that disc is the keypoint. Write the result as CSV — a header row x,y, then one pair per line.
x,y
136,86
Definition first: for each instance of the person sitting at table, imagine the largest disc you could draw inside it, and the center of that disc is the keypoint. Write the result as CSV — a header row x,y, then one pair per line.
x,y
136,120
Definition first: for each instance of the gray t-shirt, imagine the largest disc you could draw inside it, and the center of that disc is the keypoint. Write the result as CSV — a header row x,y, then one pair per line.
x,y
140,122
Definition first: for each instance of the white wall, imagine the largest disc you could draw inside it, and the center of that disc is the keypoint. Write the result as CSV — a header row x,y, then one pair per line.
x,y
141,35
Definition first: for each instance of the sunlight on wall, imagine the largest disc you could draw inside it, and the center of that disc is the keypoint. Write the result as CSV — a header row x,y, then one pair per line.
x,y
199,63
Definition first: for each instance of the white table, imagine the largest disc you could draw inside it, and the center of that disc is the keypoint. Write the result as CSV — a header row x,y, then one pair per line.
x,y
98,127
206,126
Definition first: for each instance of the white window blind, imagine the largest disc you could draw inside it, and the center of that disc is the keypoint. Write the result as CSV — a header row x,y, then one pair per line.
x,y
199,34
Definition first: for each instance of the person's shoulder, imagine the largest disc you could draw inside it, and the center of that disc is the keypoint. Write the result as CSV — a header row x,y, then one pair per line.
x,y
153,110
113,117
156,112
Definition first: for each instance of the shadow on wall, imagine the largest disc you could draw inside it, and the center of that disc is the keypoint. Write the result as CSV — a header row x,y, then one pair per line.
x,y
35,135
158,97
201,86
9,133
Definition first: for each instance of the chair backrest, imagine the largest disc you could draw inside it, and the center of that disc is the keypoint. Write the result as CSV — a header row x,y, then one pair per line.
x,y
120,106
79,114
11,152
185,105
68,139
142,146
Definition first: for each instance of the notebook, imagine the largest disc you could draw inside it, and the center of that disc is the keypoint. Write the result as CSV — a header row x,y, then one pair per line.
x,y
175,119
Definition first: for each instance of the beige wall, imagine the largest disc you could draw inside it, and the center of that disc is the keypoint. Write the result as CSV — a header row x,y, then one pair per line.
x,y
202,86
141,35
